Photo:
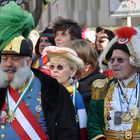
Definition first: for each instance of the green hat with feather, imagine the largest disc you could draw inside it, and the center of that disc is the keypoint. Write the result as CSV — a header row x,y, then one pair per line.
x,y
14,22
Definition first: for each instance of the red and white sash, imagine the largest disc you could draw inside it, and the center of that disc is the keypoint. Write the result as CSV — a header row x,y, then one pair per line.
x,y
25,124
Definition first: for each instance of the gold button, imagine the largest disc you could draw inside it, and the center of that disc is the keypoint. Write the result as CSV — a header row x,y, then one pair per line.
x,y
2,126
2,135
128,135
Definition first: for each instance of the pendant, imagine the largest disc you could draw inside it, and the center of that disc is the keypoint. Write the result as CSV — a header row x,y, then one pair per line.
x,y
126,117
11,116
117,118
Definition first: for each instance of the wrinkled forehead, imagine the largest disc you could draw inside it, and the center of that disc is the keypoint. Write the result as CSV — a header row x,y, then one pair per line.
x,y
120,53
12,57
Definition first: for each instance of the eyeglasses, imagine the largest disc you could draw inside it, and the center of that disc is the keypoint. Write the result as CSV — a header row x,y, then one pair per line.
x,y
59,67
119,60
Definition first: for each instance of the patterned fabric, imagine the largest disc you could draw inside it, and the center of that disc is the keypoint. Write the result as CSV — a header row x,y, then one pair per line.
x,y
37,62
101,112
33,101
114,102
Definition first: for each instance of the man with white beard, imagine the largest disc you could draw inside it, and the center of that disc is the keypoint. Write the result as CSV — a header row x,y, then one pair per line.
x,y
32,104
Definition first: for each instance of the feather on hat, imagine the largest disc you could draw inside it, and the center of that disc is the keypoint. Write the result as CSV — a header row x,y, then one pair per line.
x,y
127,39
14,21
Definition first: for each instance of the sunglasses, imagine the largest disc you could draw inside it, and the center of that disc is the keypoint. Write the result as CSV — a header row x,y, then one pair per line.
x,y
119,60
58,67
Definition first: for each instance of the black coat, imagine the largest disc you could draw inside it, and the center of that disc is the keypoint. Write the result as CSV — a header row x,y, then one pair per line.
x,y
57,107
85,85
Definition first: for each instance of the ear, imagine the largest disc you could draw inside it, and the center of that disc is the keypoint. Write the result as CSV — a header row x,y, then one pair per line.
x,y
29,61
73,72
132,60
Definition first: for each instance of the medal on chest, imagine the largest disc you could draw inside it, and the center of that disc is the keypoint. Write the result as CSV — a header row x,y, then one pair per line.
x,y
127,104
126,117
6,116
11,116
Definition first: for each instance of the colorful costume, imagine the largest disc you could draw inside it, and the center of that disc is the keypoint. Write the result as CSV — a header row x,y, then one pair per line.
x,y
109,119
37,110
114,108
44,106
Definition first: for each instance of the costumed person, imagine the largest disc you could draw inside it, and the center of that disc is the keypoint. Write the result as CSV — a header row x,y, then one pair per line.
x,y
33,105
91,70
114,108
64,64
46,39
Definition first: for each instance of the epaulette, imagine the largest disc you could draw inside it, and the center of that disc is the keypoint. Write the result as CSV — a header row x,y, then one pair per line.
x,y
99,83
99,88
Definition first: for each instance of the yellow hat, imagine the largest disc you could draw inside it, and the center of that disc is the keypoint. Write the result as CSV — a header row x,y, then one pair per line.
x,y
18,46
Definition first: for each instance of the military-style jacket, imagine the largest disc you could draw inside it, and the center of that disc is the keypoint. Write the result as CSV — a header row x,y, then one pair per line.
x,y
105,102
57,108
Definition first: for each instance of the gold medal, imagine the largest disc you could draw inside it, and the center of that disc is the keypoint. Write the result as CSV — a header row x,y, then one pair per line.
x,y
134,112
11,116
126,117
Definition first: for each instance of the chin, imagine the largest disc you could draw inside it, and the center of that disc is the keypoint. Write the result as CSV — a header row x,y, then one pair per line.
x,y
10,77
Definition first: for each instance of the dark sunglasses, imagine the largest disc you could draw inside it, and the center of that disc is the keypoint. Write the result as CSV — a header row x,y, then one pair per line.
x,y
119,60
59,67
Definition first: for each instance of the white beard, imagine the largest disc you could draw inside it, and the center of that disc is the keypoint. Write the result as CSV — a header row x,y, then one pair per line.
x,y
20,77
3,79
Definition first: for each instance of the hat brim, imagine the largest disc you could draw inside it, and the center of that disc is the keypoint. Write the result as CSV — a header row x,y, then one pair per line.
x,y
67,53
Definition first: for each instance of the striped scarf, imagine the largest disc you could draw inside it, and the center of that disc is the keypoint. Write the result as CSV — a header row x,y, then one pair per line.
x,y
81,115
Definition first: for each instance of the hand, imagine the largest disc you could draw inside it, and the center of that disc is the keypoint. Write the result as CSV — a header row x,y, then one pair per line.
x,y
101,40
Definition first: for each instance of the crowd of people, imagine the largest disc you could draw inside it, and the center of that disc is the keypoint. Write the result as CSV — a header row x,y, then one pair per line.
x,y
71,88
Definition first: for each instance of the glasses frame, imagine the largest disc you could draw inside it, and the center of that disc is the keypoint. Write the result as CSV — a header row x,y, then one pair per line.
x,y
59,67
119,60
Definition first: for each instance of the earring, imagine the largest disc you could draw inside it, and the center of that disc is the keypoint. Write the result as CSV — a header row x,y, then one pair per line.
x,y
71,80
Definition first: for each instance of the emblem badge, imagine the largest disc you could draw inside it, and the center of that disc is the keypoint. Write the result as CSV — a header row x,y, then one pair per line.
x,y
38,108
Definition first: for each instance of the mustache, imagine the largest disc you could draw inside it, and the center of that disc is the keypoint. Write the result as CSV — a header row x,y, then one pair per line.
x,y
10,69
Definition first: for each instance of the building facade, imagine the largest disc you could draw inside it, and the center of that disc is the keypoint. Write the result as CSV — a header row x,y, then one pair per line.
x,y
91,13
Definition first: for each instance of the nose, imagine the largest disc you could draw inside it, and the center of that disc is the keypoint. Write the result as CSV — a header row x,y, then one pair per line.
x,y
58,37
9,61
115,62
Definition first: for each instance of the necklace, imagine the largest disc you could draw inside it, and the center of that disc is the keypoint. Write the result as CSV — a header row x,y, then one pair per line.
x,y
130,113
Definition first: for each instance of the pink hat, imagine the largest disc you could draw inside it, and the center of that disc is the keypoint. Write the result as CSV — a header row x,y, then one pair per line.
x,y
68,53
